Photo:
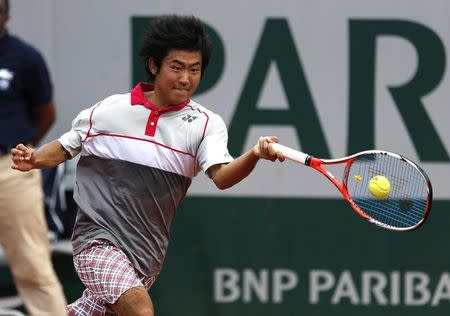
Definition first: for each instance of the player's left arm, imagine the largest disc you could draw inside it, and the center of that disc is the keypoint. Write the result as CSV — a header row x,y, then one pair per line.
x,y
227,175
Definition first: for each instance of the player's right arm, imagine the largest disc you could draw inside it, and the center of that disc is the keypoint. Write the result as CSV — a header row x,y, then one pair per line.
x,y
47,156
50,155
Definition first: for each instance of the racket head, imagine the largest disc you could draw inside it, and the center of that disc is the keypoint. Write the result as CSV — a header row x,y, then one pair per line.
x,y
408,203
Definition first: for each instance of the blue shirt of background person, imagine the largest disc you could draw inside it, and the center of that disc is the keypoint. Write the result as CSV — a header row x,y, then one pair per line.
x,y
26,94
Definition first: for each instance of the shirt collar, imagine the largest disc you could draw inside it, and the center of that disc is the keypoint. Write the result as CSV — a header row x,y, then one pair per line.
x,y
138,97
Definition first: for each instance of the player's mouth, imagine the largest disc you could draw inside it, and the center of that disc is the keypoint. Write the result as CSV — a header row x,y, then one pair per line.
x,y
181,89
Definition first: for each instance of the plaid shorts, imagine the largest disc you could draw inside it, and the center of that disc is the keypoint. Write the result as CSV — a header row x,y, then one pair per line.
x,y
107,273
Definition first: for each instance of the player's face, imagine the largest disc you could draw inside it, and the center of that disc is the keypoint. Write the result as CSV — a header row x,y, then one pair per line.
x,y
178,77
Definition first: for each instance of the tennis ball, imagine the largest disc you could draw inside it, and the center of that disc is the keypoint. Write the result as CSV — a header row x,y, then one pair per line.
x,y
380,187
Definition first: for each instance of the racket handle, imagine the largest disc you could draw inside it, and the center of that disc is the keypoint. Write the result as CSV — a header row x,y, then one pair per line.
x,y
292,154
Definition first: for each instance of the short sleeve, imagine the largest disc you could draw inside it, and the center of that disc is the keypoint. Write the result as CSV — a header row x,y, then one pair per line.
x,y
72,140
214,147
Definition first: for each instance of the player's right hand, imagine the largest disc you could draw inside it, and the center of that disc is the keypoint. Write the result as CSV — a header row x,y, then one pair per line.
x,y
22,158
264,150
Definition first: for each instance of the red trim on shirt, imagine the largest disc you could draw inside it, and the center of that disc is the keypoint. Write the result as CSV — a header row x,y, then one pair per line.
x,y
207,119
90,121
138,97
152,122
141,139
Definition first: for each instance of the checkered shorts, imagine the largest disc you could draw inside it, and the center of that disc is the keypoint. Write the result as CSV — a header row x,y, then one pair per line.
x,y
107,273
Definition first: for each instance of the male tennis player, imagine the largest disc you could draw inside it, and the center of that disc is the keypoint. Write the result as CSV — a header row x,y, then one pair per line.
x,y
139,153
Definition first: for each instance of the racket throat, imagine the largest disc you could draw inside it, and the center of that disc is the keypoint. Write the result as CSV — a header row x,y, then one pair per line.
x,y
308,160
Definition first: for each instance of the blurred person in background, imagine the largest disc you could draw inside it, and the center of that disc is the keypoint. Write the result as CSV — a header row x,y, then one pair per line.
x,y
27,112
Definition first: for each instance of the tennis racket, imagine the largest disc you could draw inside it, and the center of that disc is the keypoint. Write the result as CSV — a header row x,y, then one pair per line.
x,y
401,204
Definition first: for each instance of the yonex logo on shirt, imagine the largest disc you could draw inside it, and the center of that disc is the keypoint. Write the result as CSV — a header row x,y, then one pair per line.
x,y
188,118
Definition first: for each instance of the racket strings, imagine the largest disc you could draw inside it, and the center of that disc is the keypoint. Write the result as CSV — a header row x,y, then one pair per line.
x,y
397,183
406,204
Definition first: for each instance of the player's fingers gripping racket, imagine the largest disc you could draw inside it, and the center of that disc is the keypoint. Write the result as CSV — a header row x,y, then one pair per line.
x,y
384,188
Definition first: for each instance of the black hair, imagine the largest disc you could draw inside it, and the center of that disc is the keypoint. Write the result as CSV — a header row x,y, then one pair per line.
x,y
174,32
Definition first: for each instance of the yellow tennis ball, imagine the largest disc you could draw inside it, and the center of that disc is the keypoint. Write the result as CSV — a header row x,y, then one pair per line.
x,y
380,187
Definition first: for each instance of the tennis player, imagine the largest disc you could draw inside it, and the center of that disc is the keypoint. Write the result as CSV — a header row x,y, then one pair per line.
x,y
139,152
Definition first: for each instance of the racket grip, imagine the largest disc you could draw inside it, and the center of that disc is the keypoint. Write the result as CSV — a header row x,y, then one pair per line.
x,y
291,154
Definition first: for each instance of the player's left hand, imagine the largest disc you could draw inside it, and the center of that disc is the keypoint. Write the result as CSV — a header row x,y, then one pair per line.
x,y
263,149
22,158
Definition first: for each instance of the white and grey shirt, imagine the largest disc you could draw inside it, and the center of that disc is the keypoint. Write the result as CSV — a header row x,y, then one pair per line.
x,y
136,164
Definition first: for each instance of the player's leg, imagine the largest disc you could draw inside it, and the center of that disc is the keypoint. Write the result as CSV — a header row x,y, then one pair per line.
x,y
87,304
125,291
23,236
134,301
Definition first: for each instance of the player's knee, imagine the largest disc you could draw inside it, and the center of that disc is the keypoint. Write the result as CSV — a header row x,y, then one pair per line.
x,y
134,301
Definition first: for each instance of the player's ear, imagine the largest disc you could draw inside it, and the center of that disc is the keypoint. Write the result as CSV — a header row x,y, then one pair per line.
x,y
152,66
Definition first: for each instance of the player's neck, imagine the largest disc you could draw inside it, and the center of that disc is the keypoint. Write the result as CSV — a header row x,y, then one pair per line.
x,y
150,95
158,102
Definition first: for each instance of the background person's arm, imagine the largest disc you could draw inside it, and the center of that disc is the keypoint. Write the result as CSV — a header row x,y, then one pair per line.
x,y
45,116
